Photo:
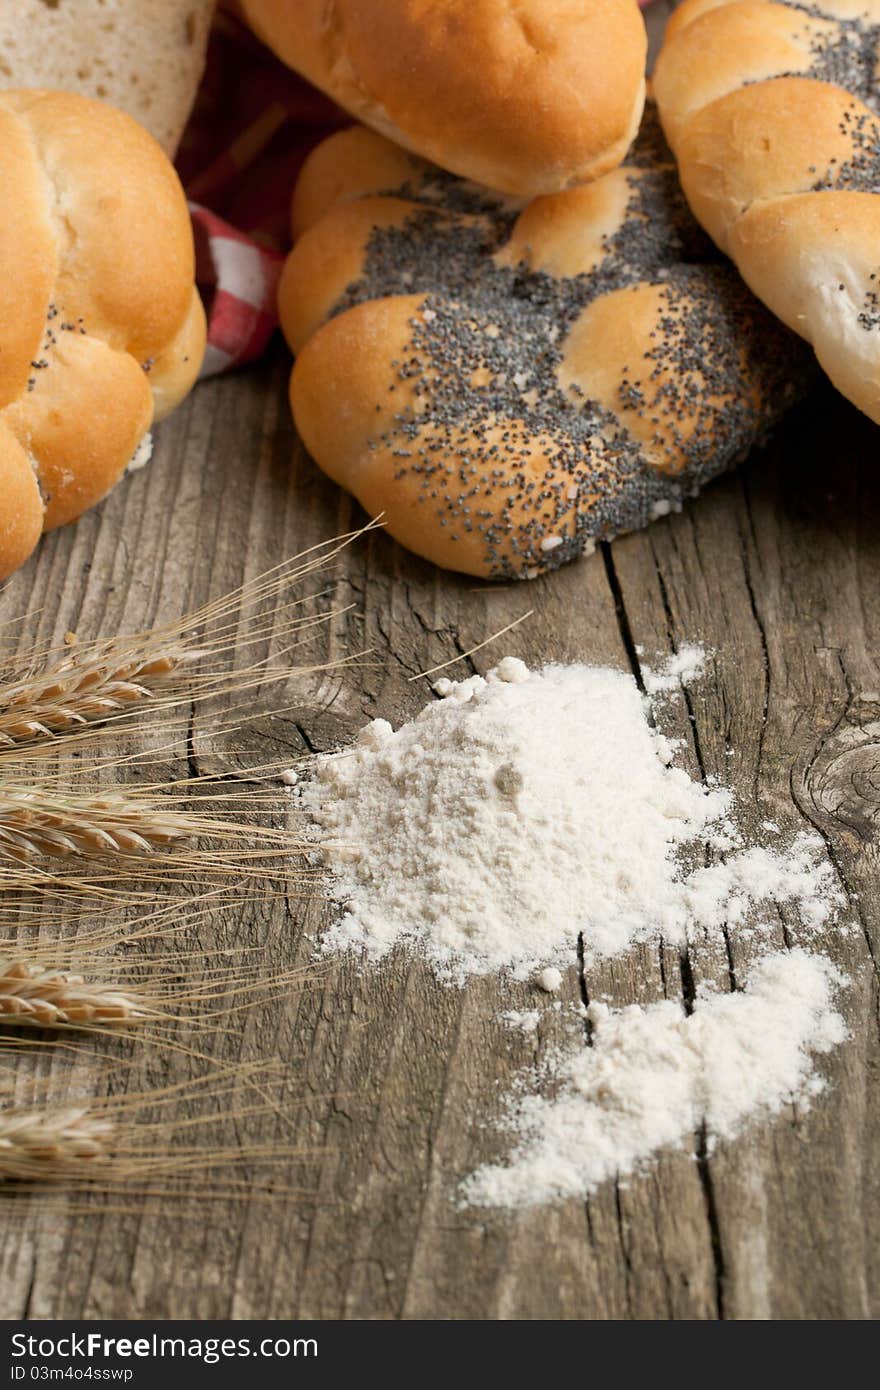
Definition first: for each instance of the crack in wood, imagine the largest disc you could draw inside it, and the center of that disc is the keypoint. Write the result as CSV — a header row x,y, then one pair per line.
x,y
765,649
582,989
707,1184
622,616
300,729
685,967
192,765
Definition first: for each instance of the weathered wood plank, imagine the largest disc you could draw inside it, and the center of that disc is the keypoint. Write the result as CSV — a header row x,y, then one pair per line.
x,y
397,1073
771,574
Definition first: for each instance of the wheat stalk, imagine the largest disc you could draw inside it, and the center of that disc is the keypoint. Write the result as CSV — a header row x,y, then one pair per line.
x,y
75,693
48,812
36,825
110,1143
31,994
35,991
51,1143
193,659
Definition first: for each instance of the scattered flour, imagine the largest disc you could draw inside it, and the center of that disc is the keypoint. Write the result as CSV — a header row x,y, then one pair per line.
x,y
549,979
524,1020
142,455
686,666
653,1077
726,892
522,809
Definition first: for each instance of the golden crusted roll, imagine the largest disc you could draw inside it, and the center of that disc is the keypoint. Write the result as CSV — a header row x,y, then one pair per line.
x,y
525,96
508,384
102,331
772,113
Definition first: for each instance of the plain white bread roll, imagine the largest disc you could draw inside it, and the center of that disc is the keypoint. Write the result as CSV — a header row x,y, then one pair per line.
x,y
524,96
772,112
145,57
102,330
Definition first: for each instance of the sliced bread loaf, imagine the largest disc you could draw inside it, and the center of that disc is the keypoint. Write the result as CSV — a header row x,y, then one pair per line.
x,y
145,58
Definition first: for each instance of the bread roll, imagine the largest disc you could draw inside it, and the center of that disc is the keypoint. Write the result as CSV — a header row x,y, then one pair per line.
x,y
525,96
772,112
507,385
101,329
144,58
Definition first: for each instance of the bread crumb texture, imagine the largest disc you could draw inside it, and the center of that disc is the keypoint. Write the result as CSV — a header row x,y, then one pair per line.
x,y
146,59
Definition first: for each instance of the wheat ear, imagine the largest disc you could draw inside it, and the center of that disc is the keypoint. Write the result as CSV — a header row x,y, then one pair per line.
x,y
181,662
35,825
30,994
113,1143
51,1144
71,695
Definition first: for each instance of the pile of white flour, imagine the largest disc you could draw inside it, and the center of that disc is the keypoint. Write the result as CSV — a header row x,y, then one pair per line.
x,y
654,1077
517,811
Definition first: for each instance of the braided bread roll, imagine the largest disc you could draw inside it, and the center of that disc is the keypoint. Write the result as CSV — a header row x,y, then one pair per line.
x,y
508,384
527,96
772,112
102,331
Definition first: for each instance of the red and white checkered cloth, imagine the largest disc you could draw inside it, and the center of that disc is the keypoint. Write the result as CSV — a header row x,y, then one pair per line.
x,y
253,125
238,281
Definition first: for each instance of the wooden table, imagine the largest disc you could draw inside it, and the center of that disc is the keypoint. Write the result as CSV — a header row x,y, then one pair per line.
x,y
776,569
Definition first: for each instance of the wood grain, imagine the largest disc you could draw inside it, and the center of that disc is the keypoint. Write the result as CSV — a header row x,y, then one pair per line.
x,y
777,571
